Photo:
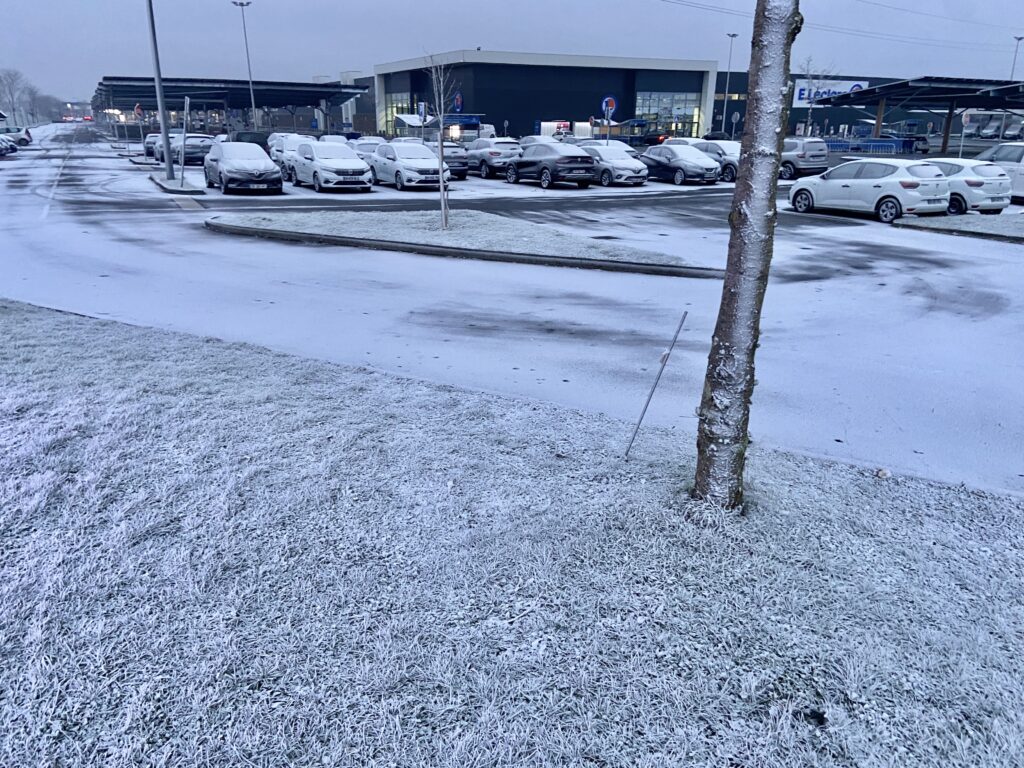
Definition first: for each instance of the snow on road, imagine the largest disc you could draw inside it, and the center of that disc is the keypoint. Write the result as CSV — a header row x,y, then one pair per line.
x,y
884,347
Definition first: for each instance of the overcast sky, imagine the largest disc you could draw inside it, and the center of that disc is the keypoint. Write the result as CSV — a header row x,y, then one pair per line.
x,y
65,46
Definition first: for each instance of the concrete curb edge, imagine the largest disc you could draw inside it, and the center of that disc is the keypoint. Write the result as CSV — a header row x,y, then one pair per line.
x,y
172,188
661,270
1019,240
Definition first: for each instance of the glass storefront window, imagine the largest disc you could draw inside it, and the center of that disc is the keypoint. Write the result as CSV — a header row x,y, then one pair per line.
x,y
395,103
676,112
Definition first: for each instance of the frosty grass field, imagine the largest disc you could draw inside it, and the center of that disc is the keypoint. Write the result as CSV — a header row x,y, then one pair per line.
x,y
214,554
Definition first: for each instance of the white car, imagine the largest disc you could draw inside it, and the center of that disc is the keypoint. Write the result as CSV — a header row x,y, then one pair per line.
x,y
536,139
680,140
286,147
974,185
1009,157
616,166
408,140
150,142
331,138
327,165
364,149
373,139
276,143
886,188
406,165
20,136
490,157
631,151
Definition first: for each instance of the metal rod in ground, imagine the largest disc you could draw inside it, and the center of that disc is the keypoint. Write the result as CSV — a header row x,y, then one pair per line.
x,y
654,386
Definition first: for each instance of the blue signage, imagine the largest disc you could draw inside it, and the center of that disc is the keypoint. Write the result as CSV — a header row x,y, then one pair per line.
x,y
608,105
457,102
313,124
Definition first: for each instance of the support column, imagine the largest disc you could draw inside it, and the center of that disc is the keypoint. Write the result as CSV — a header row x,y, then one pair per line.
x,y
950,114
879,117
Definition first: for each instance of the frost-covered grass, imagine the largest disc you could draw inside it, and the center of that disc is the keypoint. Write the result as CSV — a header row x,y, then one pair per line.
x,y
211,554
469,229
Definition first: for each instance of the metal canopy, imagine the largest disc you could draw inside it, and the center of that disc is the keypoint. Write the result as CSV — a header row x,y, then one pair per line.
x,y
125,92
929,93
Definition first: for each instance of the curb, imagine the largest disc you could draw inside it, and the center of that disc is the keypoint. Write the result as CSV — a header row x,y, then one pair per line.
x,y
661,270
173,188
1015,239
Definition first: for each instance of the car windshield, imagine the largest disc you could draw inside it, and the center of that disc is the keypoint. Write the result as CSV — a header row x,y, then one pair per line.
x,y
815,145
924,171
611,153
366,146
989,171
506,145
335,152
410,151
243,151
686,152
729,147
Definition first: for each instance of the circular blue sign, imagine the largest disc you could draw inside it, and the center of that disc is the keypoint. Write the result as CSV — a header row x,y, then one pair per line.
x,y
608,105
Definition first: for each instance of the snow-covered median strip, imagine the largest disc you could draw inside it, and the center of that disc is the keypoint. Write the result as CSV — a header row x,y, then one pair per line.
x,y
1008,226
213,554
470,230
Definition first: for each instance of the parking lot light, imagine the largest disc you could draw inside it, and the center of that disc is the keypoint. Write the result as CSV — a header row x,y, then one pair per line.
x,y
728,70
159,83
243,4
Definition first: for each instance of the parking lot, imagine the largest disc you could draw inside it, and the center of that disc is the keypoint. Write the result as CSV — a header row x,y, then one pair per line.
x,y
876,344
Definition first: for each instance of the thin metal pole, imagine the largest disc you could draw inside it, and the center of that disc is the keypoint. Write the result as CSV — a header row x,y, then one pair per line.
x,y
158,79
1016,48
664,361
248,63
728,71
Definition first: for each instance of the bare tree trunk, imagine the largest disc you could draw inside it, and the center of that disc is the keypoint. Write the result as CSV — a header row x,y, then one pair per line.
x,y
729,383
443,90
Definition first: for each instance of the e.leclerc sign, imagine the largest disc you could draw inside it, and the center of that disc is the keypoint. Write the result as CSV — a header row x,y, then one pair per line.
x,y
806,91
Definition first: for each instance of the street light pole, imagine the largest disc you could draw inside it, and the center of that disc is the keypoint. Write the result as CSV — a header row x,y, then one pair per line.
x,y
159,81
728,71
1016,48
243,4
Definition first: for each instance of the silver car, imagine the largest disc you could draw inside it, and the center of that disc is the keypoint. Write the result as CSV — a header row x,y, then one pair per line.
x,y
803,156
727,153
490,157
455,157
615,166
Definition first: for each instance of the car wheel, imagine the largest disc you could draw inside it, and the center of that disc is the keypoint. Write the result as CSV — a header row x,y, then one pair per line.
x,y
803,202
606,178
512,175
399,181
365,189
461,177
957,205
889,210
316,183
373,176
295,178
583,184
22,142
485,170
223,184
728,174
545,179
679,177
787,171
209,184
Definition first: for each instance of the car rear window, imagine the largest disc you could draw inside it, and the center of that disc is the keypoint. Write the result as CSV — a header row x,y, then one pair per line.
x,y
989,171
923,171
815,145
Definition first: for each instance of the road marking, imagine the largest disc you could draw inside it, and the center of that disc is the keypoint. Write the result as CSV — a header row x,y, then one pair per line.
x,y
53,189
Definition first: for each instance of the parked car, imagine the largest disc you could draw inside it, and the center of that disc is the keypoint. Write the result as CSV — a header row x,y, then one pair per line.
x,y
149,144
974,185
490,157
680,163
259,138
455,157
331,138
7,147
631,151
20,136
886,188
802,156
551,162
364,149
725,153
327,165
616,166
286,147
406,165
1009,157
233,165
275,144
536,139
371,139
716,136
408,140
681,140
196,147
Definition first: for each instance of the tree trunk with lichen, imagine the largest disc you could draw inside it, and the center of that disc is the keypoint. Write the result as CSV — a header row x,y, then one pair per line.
x,y
729,382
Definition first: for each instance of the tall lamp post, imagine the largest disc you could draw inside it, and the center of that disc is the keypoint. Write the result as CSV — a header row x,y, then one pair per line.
x,y
728,71
1016,48
158,80
243,4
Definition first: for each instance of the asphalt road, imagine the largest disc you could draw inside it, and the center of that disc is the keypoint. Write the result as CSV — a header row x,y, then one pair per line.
x,y
879,346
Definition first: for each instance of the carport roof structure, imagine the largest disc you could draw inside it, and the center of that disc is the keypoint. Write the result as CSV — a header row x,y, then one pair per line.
x,y
125,92
933,93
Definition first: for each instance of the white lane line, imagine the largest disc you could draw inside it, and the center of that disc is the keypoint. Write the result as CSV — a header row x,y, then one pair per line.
x,y
53,189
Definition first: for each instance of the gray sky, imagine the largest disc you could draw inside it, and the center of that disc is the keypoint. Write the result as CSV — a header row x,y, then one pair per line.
x,y
65,46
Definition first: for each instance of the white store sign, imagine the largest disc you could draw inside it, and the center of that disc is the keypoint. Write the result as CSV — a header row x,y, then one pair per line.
x,y
805,91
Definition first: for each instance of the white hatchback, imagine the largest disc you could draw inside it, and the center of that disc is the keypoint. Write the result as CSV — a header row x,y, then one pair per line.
x,y
974,185
886,188
328,165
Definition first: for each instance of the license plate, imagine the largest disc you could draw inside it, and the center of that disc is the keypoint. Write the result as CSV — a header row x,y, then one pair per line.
x,y
935,201
998,200
259,186
579,171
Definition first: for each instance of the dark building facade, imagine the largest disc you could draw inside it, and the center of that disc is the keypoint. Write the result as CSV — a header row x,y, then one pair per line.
x,y
528,89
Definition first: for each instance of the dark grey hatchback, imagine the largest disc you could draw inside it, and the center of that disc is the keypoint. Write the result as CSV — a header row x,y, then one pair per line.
x,y
549,163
